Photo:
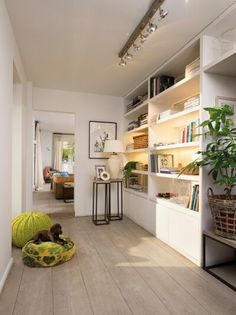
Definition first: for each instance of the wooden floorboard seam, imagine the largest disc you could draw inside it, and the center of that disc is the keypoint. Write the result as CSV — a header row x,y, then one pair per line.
x,y
86,289
18,290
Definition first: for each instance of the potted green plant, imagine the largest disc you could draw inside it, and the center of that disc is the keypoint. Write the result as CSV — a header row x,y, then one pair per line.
x,y
127,171
219,158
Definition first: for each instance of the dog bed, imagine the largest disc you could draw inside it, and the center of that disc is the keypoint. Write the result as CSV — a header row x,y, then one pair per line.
x,y
27,224
47,254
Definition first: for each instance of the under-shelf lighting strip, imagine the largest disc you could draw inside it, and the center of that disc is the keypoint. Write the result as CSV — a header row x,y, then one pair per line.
x,y
142,32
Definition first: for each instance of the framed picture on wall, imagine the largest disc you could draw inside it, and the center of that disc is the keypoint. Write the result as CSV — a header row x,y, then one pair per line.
x,y
99,132
221,100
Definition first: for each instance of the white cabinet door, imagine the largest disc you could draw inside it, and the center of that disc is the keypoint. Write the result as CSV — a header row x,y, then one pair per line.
x,y
162,222
184,231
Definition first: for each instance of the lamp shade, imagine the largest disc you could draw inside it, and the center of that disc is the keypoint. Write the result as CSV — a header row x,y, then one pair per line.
x,y
113,146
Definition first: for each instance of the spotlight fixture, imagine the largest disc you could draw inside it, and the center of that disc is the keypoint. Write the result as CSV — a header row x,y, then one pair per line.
x,y
122,62
128,56
152,28
138,37
136,47
143,38
162,13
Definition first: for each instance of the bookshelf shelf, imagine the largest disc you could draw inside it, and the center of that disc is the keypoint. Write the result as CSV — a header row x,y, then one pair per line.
x,y
138,130
175,146
177,119
136,151
179,91
137,110
175,206
140,172
224,65
136,192
193,178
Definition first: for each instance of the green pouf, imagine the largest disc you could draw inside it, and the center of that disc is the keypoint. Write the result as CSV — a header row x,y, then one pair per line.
x,y
27,224
47,254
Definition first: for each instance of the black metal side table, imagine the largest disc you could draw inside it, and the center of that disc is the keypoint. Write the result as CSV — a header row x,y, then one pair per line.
x,y
210,269
107,189
119,199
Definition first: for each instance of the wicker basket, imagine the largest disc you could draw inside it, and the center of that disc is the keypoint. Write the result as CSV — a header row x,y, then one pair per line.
x,y
140,142
224,214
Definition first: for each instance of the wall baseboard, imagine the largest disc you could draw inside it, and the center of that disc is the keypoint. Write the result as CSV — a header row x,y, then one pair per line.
x,y
4,277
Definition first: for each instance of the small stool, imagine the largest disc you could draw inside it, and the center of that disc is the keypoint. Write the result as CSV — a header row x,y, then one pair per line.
x,y
105,219
119,198
68,192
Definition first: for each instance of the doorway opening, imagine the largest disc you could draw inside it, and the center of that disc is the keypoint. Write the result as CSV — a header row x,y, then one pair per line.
x,y
53,167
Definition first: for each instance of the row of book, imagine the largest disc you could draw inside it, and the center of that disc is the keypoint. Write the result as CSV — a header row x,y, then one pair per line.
x,y
160,83
188,133
193,200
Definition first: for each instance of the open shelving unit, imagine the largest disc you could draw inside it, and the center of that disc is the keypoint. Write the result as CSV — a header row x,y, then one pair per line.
x,y
171,220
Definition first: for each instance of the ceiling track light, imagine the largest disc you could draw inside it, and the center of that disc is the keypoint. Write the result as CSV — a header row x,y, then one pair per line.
x,y
138,33
152,28
162,13
136,47
128,56
122,62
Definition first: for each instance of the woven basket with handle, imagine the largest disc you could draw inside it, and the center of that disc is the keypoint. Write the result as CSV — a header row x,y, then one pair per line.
x,y
224,214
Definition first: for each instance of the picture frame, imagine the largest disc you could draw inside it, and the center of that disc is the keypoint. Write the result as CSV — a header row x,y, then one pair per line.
x,y
221,100
98,170
99,132
165,161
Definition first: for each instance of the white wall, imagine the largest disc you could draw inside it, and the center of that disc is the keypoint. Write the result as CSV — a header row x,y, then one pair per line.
x,y
47,149
8,55
86,107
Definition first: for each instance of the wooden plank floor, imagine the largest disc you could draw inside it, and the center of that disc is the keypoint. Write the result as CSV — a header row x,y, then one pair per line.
x,y
118,269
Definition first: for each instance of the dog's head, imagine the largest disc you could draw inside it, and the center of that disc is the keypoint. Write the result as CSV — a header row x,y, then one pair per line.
x,y
56,229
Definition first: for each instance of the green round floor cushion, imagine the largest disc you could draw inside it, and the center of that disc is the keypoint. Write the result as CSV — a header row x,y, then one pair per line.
x,y
27,224
47,254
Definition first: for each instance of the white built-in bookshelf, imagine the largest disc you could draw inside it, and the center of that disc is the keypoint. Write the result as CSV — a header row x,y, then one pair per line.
x,y
172,220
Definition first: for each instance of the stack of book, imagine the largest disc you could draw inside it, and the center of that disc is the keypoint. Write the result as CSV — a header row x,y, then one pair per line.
x,y
143,119
187,134
160,83
168,113
132,125
191,68
192,102
169,170
193,200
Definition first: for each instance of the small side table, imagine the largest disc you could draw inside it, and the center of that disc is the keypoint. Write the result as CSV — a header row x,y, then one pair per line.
x,y
119,198
228,243
107,190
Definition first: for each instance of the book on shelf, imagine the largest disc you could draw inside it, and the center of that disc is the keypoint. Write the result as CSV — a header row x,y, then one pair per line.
x,y
160,83
188,133
193,200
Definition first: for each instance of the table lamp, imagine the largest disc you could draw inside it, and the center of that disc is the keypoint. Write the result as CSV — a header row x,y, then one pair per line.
x,y
114,147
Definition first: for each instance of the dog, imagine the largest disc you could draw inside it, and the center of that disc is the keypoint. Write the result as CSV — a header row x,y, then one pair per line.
x,y
52,235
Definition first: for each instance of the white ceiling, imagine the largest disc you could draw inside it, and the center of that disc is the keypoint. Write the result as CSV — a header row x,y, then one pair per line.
x,y
55,122
73,44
